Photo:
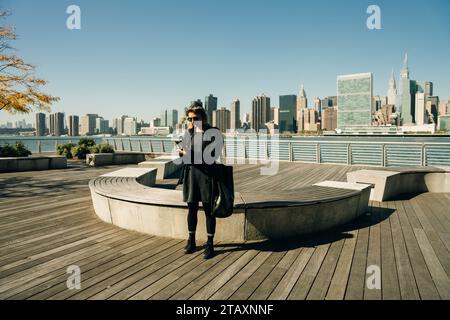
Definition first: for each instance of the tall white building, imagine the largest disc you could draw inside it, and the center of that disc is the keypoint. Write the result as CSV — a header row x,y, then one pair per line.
x,y
130,126
392,91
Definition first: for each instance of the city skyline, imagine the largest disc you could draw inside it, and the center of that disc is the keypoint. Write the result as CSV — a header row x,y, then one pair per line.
x,y
276,71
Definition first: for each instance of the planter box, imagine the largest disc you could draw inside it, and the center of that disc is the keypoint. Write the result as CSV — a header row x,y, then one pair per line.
x,y
32,163
106,159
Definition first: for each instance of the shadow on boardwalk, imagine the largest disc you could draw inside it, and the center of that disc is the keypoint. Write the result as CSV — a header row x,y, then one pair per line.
x,y
374,217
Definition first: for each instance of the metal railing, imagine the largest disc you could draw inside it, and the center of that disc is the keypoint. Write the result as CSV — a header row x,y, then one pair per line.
x,y
383,154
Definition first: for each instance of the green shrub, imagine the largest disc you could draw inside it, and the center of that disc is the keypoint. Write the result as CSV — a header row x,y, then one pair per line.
x,y
86,142
8,151
21,150
102,148
65,150
80,151
18,150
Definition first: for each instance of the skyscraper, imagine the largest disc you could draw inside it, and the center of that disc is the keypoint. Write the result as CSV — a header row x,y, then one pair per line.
x,y
221,119
73,126
235,112
392,90
57,124
302,100
101,125
318,105
169,118
41,129
287,113
210,105
130,126
87,125
355,100
407,96
329,118
260,112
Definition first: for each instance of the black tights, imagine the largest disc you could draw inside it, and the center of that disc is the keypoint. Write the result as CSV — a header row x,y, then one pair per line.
x,y
192,218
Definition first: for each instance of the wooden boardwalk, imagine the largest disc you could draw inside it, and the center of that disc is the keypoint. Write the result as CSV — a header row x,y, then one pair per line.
x,y
47,223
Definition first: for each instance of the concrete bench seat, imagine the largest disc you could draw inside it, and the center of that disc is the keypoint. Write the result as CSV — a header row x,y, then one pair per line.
x,y
393,182
165,165
128,200
32,163
117,158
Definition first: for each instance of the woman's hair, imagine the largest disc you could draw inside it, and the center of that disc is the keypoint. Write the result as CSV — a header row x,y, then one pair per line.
x,y
197,108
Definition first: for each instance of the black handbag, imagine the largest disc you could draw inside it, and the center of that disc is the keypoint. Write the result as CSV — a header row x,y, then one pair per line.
x,y
223,203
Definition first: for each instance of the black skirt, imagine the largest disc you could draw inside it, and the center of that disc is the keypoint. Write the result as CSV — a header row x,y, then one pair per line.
x,y
198,183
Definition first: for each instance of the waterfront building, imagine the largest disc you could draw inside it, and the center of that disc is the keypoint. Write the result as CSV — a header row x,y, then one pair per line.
x,y
169,118
210,105
355,104
87,124
221,119
57,124
444,122
101,125
260,112
288,113
130,126
329,118
73,126
302,100
444,107
41,128
235,122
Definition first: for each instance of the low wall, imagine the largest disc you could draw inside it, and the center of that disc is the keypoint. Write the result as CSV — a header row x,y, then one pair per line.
x,y
118,158
18,164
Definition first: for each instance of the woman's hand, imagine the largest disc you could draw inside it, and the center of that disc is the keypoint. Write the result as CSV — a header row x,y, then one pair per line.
x,y
181,152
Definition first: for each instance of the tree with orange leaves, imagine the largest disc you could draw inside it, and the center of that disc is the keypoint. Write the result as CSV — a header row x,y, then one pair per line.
x,y
19,88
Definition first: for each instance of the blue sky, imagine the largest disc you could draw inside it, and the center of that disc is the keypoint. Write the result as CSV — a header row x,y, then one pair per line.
x,y
137,57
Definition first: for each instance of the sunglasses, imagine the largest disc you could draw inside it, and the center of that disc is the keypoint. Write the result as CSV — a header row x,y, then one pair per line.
x,y
191,119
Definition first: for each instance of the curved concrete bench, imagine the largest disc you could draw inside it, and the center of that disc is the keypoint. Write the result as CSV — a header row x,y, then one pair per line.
x,y
126,202
388,184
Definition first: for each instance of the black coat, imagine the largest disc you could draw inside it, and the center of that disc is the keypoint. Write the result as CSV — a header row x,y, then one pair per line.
x,y
197,177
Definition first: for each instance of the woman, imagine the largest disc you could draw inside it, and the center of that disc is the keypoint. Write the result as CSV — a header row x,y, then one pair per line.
x,y
198,172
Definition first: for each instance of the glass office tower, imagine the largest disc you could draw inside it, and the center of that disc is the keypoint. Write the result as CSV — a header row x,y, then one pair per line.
x,y
355,100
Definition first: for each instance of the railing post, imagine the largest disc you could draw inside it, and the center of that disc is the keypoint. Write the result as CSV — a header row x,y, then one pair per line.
x,y
131,146
140,146
291,152
115,144
318,158
349,154
383,155
423,155
39,146
56,145
121,142
150,145
162,147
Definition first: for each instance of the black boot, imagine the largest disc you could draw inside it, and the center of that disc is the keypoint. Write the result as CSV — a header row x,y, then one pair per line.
x,y
190,246
209,250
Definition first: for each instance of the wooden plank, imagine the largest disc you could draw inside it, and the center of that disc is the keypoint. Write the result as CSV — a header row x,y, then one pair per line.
x,y
252,283
407,281
207,291
438,273
338,284
390,287
322,282
425,285
304,283
374,250
284,287
278,272
357,279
